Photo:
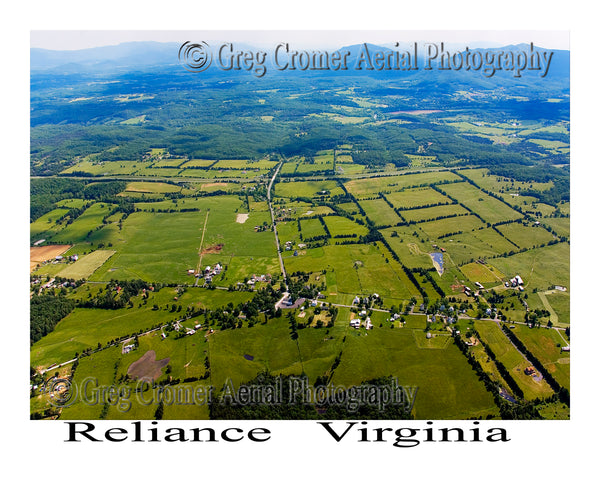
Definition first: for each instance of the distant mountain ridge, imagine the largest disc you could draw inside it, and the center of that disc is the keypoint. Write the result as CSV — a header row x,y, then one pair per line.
x,y
148,55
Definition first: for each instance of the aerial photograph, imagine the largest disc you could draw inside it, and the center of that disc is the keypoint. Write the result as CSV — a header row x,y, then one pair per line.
x,y
300,225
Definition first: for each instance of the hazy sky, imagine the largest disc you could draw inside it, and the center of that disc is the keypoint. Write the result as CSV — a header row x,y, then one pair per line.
x,y
74,39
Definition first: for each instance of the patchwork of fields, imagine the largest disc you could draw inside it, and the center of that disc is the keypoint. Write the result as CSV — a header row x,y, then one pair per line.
x,y
349,238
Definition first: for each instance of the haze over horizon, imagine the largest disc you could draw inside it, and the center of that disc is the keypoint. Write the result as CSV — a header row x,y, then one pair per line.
x,y
79,40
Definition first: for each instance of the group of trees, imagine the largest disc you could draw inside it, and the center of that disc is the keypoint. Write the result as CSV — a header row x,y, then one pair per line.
x,y
45,312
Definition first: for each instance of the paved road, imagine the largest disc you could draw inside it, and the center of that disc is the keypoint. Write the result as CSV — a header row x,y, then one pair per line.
x,y
275,225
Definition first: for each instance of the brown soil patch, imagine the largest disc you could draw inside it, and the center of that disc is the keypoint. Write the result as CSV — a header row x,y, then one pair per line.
x,y
212,249
208,185
147,366
48,252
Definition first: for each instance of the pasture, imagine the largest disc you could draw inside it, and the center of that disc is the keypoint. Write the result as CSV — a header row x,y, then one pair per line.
x,y
311,228
86,265
359,269
392,183
379,212
542,343
539,268
47,225
526,236
431,213
515,363
307,189
84,225
489,208
416,197
344,226
447,386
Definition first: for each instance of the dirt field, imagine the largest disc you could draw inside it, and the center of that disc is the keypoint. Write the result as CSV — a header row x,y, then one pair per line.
x,y
212,249
241,217
147,366
38,255
211,185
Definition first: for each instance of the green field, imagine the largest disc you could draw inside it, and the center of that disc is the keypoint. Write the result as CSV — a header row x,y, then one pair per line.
x,y
83,225
379,212
542,343
359,269
447,386
47,224
311,227
514,362
525,236
489,208
371,186
86,265
307,189
416,197
344,226
539,268
422,214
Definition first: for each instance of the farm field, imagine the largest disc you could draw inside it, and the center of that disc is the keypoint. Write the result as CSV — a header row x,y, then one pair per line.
x,y
311,228
340,226
514,362
370,186
359,269
208,235
86,265
307,189
539,268
543,344
416,197
490,209
438,373
431,213
38,255
379,212
525,236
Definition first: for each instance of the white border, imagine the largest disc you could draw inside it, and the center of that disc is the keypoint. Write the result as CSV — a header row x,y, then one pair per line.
x,y
558,448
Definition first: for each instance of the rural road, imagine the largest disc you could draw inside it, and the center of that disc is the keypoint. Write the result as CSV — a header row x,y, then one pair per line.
x,y
275,225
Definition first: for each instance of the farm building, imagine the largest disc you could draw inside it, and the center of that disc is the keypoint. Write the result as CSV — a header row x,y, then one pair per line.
x,y
355,322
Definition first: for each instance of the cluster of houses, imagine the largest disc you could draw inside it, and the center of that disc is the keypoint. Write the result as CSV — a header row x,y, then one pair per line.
x,y
259,278
447,319
515,282
208,273
365,300
289,245
52,283
356,322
